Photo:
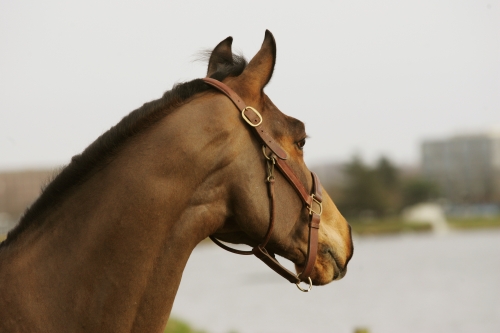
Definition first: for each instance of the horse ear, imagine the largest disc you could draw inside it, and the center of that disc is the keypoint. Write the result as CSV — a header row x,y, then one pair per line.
x,y
260,69
220,56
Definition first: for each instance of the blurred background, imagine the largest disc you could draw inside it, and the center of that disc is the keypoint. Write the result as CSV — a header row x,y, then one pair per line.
x,y
401,101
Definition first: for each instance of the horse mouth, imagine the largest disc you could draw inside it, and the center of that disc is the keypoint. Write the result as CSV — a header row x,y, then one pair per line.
x,y
327,255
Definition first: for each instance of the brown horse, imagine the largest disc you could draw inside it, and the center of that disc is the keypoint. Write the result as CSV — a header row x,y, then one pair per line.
x,y
104,247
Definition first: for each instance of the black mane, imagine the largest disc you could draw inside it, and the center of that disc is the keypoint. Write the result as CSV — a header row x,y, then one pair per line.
x,y
97,155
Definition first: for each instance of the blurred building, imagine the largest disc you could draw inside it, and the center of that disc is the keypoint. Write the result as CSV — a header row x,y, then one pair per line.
x,y
465,167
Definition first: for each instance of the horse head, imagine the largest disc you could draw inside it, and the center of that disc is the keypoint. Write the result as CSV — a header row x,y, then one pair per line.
x,y
249,208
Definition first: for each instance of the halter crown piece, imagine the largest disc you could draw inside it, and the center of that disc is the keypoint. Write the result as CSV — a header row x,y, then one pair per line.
x,y
312,202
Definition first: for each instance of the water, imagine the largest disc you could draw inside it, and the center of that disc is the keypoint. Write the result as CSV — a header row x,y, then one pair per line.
x,y
409,283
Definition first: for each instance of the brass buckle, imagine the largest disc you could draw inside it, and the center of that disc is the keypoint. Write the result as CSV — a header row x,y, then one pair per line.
x,y
311,210
248,120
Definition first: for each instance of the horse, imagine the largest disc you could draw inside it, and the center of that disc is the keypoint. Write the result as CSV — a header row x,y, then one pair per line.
x,y
104,246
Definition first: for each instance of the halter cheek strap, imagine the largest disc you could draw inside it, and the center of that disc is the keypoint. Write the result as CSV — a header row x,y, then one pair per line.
x,y
312,202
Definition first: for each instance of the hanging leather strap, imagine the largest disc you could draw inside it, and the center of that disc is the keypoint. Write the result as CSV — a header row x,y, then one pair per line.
x,y
312,248
270,192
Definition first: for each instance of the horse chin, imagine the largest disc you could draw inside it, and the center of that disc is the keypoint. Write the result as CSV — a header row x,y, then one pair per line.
x,y
325,270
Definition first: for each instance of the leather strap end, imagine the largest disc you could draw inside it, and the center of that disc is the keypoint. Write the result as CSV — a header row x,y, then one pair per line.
x,y
318,192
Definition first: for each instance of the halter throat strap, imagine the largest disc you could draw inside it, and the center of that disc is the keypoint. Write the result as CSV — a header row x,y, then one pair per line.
x,y
312,202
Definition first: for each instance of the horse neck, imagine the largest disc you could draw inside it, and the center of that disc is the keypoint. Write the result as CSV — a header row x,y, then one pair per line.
x,y
114,249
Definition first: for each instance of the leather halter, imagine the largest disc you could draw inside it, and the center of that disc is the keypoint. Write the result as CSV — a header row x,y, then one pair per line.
x,y
278,157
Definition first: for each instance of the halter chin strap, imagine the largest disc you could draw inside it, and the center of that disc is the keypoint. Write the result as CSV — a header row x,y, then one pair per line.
x,y
312,202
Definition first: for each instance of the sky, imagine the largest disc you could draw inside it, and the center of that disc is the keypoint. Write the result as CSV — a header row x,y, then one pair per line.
x,y
368,78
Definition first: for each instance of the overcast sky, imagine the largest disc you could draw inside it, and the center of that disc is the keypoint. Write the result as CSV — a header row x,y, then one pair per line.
x,y
367,77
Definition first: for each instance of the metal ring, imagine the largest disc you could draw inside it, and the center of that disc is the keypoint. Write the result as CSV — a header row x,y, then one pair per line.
x,y
305,290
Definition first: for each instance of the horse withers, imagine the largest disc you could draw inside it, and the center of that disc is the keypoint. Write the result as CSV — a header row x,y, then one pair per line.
x,y
103,248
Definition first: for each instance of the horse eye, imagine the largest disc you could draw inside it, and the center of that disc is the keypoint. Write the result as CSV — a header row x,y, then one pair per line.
x,y
301,144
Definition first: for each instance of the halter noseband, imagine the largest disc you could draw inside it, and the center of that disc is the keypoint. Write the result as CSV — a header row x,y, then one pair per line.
x,y
312,202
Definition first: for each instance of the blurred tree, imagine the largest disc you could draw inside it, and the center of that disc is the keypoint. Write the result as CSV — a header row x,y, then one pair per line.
x,y
378,191
418,190
388,175
363,192
387,172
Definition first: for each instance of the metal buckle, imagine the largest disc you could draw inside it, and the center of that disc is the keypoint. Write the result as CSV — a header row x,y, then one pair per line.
x,y
248,120
311,210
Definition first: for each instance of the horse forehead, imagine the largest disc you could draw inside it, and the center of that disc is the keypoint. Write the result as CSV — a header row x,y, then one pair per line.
x,y
288,126
292,126
296,127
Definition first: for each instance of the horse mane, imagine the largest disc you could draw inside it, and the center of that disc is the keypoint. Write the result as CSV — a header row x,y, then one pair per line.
x,y
99,153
